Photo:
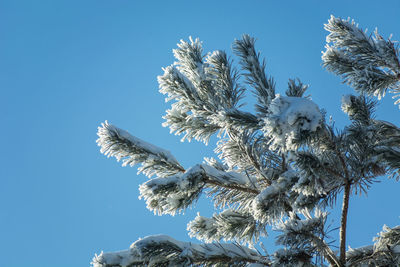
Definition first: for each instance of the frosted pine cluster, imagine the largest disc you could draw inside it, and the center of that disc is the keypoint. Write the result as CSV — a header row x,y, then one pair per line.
x,y
276,169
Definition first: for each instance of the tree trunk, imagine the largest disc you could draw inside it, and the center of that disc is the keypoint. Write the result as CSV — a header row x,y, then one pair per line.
x,y
343,223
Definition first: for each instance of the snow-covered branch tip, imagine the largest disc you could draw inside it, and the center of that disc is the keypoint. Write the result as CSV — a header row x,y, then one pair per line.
x,y
369,64
385,251
171,195
229,225
162,250
273,202
255,72
118,143
359,108
224,79
296,88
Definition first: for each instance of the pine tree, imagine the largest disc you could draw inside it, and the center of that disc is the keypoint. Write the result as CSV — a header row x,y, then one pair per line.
x,y
281,166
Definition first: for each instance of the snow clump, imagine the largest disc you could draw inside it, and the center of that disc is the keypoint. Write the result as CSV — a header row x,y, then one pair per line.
x,y
290,118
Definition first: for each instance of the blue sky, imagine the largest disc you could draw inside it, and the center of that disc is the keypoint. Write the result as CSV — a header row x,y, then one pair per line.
x,y
67,66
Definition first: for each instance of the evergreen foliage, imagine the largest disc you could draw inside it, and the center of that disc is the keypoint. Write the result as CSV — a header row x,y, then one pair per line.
x,y
276,167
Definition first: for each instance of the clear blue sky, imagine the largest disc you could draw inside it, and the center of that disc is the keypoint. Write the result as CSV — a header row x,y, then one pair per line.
x,y
66,66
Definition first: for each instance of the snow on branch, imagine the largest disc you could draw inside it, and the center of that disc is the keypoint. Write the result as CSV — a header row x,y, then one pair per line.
x,y
386,147
290,121
346,34
385,251
178,87
273,202
388,241
355,256
359,108
320,177
189,113
230,119
370,65
229,225
297,233
118,143
306,236
236,194
255,76
192,126
189,57
226,178
171,195
162,250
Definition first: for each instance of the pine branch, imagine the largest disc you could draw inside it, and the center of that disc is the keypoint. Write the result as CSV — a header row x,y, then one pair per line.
x,y
131,150
385,251
346,34
292,257
273,202
319,177
296,88
370,65
239,120
173,194
161,250
190,113
307,235
232,186
225,79
230,225
360,109
248,152
387,147
206,94
255,76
